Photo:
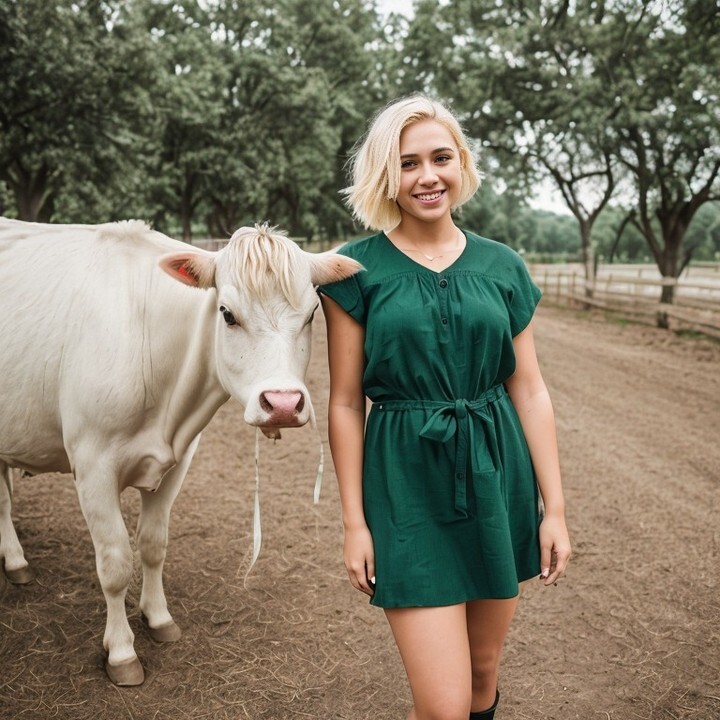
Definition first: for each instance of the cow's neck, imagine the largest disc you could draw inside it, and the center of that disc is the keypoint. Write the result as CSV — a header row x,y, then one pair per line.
x,y
198,393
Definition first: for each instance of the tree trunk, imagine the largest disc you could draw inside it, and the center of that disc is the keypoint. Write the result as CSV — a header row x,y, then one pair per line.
x,y
667,296
674,226
186,220
669,270
588,258
32,196
187,207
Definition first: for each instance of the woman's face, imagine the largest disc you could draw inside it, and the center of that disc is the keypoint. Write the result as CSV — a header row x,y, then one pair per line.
x,y
430,171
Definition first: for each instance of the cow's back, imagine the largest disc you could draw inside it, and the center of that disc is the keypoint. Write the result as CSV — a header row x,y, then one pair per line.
x,y
85,315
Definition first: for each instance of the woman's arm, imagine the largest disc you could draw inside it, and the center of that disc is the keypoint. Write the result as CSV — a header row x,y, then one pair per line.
x,y
346,429
532,402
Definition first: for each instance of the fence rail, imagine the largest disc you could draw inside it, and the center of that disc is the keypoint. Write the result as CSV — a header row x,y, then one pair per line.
x,y
632,290
636,291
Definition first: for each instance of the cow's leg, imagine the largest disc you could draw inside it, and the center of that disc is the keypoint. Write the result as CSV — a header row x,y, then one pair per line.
x,y
100,502
152,539
16,567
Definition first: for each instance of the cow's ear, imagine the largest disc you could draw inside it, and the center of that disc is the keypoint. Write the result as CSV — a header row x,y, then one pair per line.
x,y
329,267
191,268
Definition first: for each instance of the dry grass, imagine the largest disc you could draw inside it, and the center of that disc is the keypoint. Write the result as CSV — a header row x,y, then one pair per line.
x,y
632,634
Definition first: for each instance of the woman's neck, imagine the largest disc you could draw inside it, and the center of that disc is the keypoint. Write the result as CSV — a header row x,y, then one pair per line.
x,y
434,246
443,233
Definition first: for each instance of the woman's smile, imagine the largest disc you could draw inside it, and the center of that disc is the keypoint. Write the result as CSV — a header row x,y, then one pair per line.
x,y
429,198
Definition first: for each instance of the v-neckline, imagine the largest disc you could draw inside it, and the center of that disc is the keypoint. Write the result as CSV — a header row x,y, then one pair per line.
x,y
396,249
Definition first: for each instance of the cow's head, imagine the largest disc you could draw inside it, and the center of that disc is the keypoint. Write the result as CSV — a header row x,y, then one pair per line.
x,y
266,299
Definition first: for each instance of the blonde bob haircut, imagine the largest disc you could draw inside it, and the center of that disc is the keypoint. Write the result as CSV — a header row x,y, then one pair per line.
x,y
375,164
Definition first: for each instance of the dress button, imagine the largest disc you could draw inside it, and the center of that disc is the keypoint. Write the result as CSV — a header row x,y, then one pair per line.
x,y
443,283
444,321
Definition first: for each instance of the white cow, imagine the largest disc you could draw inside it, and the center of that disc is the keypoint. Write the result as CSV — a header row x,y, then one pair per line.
x,y
119,345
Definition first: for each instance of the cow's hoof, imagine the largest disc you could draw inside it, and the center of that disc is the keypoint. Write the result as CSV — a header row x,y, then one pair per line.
x,y
20,576
165,633
129,672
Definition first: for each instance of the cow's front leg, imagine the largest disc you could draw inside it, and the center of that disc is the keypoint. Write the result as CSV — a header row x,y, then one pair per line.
x,y
100,502
17,570
152,539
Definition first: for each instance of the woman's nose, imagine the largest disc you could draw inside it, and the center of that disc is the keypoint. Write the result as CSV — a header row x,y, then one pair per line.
x,y
428,176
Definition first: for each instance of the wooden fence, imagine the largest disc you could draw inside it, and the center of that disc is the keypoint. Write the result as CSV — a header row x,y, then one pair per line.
x,y
634,290
630,290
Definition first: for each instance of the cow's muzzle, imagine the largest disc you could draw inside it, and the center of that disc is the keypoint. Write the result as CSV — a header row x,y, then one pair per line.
x,y
283,407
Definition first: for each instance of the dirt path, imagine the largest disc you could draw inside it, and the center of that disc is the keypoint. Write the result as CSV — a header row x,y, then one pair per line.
x,y
633,633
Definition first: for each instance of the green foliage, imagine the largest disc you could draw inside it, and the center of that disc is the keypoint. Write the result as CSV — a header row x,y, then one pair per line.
x,y
539,235
74,98
204,115
607,99
703,236
667,124
230,112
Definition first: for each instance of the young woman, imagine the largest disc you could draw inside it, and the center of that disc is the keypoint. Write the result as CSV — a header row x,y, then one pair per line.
x,y
439,487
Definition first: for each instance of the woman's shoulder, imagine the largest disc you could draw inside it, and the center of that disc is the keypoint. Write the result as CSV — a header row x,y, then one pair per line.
x,y
361,249
496,257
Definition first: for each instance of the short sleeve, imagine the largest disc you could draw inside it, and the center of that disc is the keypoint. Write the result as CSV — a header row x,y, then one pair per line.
x,y
348,295
523,298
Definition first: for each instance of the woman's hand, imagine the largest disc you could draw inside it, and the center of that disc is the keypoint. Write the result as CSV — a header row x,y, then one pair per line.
x,y
554,548
359,557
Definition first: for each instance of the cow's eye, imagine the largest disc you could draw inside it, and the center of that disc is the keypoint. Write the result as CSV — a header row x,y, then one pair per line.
x,y
228,316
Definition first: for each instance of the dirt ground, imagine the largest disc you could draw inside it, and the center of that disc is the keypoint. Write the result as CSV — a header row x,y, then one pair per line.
x,y
632,633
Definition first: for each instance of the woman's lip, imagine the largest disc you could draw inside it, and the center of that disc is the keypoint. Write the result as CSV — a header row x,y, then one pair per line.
x,y
429,197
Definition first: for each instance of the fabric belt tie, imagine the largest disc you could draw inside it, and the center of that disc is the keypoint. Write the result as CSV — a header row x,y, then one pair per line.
x,y
455,419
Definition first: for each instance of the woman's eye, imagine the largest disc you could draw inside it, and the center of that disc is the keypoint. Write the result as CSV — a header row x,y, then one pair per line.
x,y
228,316
406,164
442,158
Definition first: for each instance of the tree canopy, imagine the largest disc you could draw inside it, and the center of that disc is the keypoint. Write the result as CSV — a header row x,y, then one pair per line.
x,y
203,115
611,100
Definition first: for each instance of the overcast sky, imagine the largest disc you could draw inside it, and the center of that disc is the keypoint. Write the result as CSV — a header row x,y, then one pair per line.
x,y
397,6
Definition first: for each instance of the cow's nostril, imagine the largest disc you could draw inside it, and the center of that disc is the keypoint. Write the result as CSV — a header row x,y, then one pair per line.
x,y
282,402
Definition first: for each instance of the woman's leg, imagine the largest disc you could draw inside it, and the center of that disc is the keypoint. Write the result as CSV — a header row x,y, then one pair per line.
x,y
488,622
433,644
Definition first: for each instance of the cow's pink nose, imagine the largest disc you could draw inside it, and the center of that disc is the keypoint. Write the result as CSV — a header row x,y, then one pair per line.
x,y
282,405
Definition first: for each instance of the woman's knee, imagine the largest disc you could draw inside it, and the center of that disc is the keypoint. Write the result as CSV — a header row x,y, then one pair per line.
x,y
444,707
485,664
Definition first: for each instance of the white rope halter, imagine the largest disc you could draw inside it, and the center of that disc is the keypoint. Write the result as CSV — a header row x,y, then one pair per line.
x,y
257,526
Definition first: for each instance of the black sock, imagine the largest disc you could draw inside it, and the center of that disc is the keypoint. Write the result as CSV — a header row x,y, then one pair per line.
x,y
488,714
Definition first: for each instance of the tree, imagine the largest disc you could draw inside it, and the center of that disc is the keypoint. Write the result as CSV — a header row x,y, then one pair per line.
x,y
227,111
666,124
74,95
293,92
189,107
521,76
588,94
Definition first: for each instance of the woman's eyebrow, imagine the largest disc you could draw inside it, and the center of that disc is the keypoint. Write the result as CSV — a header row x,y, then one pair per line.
x,y
434,152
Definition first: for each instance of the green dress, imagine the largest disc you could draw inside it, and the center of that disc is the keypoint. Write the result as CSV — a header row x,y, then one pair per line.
x,y
449,490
